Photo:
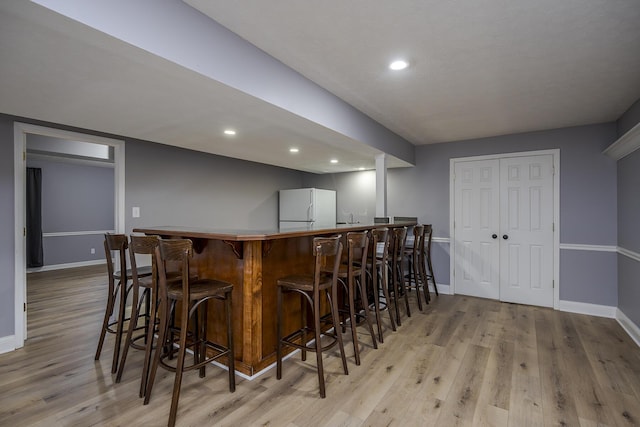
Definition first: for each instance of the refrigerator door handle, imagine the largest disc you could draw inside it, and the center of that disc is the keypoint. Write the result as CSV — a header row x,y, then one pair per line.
x,y
310,212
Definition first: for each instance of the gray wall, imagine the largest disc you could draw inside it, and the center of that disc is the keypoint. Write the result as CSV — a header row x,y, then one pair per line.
x,y
173,186
588,202
75,197
628,223
7,259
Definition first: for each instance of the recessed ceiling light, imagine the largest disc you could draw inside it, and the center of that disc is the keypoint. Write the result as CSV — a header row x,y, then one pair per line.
x,y
293,150
398,65
229,132
334,160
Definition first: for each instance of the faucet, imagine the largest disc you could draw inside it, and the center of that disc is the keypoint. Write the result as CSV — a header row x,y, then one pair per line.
x,y
351,218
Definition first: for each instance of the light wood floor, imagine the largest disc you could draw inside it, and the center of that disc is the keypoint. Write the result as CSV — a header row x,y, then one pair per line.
x,y
463,361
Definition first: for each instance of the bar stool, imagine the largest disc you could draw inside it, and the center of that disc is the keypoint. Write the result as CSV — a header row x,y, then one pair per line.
x,y
194,296
141,245
415,259
310,287
397,270
428,235
378,269
118,285
352,274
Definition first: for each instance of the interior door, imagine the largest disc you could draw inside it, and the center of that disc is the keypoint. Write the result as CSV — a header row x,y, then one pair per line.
x,y
526,232
476,220
503,229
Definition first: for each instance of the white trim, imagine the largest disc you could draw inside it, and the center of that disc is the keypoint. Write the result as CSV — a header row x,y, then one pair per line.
x,y
20,131
555,154
19,243
625,145
61,159
581,247
67,265
7,344
587,308
77,233
627,324
629,254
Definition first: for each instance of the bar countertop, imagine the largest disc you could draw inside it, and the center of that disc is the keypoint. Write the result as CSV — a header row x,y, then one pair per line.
x,y
244,235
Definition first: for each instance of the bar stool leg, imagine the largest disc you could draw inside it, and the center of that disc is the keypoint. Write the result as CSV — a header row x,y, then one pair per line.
x,y
124,293
352,318
231,358
367,315
385,291
135,310
279,333
318,343
107,314
376,300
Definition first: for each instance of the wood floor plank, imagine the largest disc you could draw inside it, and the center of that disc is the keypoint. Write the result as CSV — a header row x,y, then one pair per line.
x,y
557,400
461,361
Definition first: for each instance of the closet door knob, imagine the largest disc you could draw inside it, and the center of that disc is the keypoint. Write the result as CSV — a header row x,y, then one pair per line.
x,y
494,236
505,237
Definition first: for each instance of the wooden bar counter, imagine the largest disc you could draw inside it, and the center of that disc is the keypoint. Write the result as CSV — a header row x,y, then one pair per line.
x,y
253,260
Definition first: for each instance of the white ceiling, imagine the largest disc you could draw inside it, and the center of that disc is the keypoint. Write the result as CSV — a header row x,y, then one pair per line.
x,y
478,68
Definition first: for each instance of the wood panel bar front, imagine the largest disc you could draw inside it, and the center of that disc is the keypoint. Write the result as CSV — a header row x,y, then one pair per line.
x,y
253,260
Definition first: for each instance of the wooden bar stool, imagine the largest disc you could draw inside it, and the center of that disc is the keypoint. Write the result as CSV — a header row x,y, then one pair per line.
x,y
326,251
397,271
414,255
428,235
194,295
141,245
353,278
378,268
118,286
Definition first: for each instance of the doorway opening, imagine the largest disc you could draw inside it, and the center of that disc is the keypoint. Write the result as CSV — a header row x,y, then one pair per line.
x,y
21,132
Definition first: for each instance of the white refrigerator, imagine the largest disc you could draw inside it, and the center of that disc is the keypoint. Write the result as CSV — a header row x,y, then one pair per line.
x,y
307,208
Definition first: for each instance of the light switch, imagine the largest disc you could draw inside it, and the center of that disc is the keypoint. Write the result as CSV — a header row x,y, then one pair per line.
x,y
136,212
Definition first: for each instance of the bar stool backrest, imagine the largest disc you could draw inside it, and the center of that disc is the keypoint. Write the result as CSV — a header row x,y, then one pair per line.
x,y
143,245
399,241
175,251
115,243
357,247
428,235
327,252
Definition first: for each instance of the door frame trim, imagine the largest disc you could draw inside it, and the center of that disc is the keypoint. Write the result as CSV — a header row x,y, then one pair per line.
x,y
20,131
555,154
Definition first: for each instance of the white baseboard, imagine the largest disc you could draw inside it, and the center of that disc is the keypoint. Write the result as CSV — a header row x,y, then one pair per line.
x,y
68,265
587,308
7,344
631,328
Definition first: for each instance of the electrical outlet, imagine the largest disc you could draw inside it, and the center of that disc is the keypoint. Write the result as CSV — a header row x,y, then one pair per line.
x,y
93,251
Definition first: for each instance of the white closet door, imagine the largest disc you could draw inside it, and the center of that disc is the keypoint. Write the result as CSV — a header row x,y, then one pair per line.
x,y
476,219
503,229
526,232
